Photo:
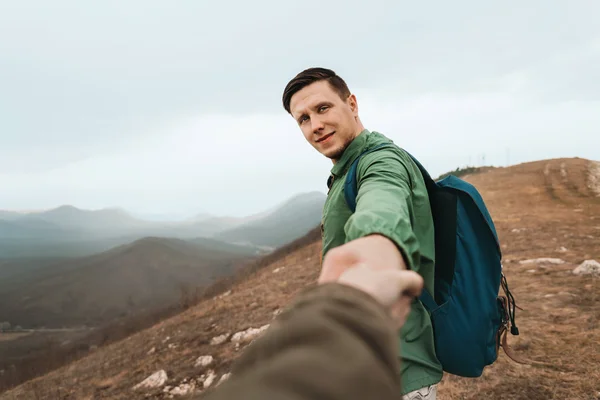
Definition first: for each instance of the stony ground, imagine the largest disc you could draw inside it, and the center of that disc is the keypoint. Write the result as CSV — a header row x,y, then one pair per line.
x,y
548,209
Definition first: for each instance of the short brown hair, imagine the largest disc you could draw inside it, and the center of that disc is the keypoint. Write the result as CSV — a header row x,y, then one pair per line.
x,y
312,75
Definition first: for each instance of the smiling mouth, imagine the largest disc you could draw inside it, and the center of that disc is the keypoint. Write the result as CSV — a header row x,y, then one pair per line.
x,y
325,137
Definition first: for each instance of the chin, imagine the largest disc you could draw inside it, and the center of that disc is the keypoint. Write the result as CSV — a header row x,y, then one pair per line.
x,y
334,153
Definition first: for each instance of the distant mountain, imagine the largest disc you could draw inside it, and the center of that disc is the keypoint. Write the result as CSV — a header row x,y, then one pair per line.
x,y
30,227
282,225
72,217
9,215
139,276
68,231
200,217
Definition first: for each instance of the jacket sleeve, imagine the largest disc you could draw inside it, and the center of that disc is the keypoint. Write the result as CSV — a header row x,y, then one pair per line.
x,y
384,203
335,342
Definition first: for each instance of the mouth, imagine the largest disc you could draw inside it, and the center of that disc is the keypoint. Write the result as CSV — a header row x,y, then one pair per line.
x,y
325,138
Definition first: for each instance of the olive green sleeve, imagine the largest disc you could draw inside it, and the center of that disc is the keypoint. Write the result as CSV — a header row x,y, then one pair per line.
x,y
384,203
335,342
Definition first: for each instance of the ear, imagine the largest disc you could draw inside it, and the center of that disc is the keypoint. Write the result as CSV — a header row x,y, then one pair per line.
x,y
353,104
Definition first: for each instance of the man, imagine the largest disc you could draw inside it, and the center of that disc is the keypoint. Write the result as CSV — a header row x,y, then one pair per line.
x,y
337,341
392,226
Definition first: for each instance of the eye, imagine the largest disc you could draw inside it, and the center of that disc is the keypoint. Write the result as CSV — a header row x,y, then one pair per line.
x,y
323,108
302,119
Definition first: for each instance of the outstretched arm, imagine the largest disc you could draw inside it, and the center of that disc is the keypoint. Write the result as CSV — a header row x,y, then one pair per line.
x,y
379,233
338,341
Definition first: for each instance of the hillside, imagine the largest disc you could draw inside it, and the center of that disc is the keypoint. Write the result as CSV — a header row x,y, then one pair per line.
x,y
146,274
290,220
543,209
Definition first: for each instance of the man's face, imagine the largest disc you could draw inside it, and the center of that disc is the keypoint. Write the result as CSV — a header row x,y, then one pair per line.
x,y
328,122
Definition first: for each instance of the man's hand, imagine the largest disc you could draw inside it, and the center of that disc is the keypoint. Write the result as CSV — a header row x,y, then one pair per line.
x,y
375,251
374,265
394,289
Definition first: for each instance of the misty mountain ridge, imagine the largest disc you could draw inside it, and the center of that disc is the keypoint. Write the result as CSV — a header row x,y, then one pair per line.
x,y
74,232
291,219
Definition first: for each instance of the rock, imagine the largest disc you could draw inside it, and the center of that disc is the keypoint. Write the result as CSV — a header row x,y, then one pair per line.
x,y
204,361
166,339
556,261
548,296
208,378
155,380
151,351
249,334
219,339
172,346
183,389
276,270
531,270
567,294
588,267
594,177
224,377
563,249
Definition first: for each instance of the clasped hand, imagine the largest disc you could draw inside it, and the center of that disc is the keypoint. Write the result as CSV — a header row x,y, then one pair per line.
x,y
375,266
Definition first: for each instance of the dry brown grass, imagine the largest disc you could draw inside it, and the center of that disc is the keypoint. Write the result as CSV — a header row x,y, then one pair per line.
x,y
559,324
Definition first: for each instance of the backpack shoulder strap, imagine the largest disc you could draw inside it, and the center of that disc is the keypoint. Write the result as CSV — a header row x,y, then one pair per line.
x,y
429,182
351,186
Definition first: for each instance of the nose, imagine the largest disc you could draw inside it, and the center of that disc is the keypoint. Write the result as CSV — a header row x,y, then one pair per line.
x,y
317,124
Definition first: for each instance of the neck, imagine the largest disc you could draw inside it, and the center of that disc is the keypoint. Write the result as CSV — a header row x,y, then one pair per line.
x,y
359,129
359,126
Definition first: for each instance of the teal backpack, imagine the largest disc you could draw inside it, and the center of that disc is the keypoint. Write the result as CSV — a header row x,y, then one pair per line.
x,y
470,319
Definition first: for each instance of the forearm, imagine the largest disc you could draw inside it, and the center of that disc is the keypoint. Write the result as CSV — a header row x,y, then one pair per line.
x,y
335,342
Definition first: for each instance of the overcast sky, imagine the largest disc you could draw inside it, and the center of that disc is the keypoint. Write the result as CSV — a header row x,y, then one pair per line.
x,y
175,107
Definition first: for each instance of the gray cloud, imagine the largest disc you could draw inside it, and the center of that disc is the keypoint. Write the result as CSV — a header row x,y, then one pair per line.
x,y
85,88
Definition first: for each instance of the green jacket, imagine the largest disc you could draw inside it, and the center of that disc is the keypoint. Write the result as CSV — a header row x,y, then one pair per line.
x,y
392,201
334,342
